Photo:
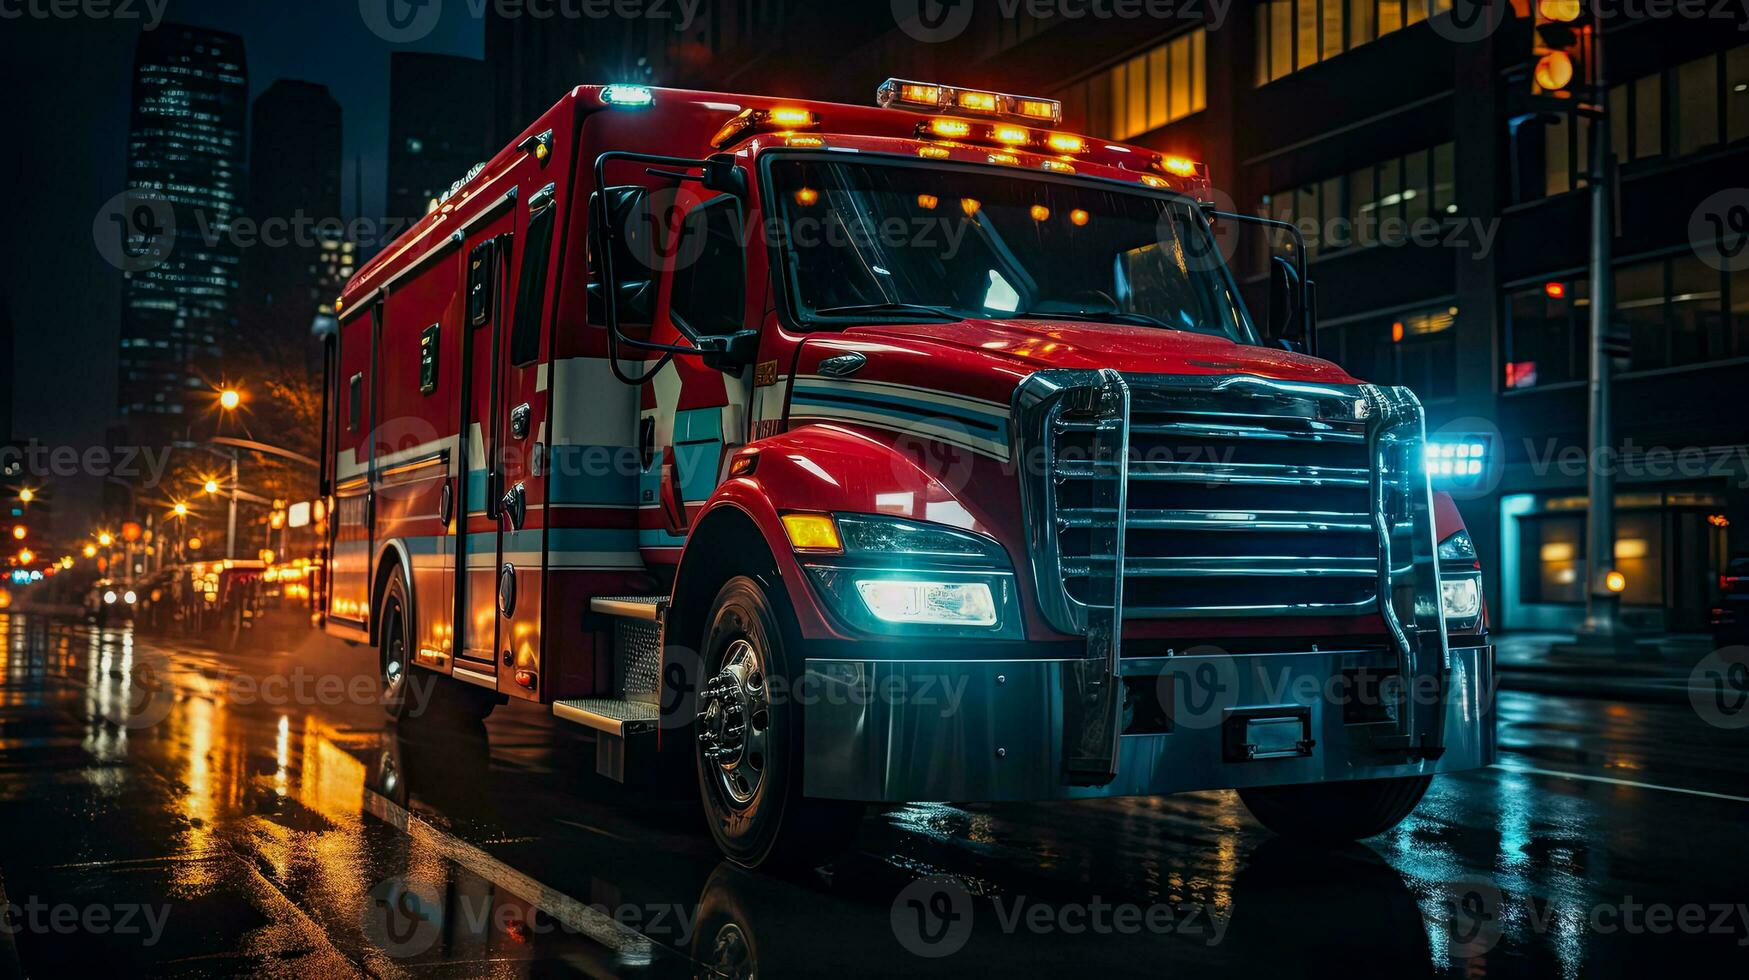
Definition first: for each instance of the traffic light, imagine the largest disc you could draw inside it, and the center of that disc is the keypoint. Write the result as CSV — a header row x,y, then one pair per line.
x,y
1561,47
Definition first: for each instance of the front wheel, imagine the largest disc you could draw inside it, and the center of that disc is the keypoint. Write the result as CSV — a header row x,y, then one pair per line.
x,y
748,739
1335,812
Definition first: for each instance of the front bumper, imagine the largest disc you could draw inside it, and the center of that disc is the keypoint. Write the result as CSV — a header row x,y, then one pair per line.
x,y
958,730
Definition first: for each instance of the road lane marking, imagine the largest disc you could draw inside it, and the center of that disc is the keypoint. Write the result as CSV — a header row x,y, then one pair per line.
x,y
580,918
1532,771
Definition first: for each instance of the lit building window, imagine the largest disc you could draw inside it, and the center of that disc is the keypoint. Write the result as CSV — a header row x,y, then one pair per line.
x,y
1297,34
1151,90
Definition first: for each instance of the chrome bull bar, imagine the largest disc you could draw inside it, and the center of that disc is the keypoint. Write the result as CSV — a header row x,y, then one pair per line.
x,y
1102,515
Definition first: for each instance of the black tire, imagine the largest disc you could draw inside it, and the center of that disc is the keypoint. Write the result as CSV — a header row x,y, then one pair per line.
x,y
1328,813
407,695
760,819
394,661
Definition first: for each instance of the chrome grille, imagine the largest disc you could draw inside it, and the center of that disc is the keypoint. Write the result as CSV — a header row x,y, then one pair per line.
x,y
1243,497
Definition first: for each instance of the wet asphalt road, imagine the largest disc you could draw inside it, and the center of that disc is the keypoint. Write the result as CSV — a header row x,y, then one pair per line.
x,y
173,808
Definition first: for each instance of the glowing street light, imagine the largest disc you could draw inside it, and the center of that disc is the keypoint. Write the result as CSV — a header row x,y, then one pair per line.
x,y
211,486
105,539
26,495
89,551
26,556
18,532
180,509
230,398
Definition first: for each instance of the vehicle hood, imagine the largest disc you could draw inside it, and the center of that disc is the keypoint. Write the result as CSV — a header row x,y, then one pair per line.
x,y
1031,345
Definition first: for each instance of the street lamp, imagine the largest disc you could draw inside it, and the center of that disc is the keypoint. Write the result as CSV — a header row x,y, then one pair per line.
x,y
229,399
89,551
211,486
26,556
26,495
18,532
105,539
180,509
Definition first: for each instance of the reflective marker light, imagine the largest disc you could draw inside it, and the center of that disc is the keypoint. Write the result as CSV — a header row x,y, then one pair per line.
x,y
628,96
812,532
1065,143
933,603
950,128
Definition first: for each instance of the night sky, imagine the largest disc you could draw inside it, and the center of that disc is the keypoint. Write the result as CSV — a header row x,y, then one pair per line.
x,y
67,85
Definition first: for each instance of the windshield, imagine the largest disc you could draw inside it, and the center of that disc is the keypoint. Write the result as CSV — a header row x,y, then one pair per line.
x,y
896,241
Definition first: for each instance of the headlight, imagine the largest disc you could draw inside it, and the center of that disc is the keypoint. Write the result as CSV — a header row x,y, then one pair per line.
x,y
903,577
129,597
1458,547
109,598
938,603
1461,599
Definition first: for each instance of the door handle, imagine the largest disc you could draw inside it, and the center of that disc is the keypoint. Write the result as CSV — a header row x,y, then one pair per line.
x,y
519,421
515,506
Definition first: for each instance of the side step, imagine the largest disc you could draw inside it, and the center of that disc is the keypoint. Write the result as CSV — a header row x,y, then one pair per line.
x,y
618,718
634,707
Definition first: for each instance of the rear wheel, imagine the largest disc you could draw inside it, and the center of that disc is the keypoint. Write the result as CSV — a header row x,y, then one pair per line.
x,y
747,742
407,694
1335,812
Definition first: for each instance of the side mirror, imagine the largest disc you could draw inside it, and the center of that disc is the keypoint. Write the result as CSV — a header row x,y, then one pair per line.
x,y
723,175
1284,293
635,293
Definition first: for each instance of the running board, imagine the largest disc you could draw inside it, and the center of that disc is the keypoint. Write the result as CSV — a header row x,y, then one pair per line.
x,y
616,718
652,608
618,725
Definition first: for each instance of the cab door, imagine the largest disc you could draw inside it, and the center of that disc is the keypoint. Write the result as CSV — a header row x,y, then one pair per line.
x,y
522,438
694,414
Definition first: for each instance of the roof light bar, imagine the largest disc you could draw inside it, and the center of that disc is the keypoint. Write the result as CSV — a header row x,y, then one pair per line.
x,y
931,97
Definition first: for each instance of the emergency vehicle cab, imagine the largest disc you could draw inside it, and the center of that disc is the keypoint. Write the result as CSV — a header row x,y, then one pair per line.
x,y
876,454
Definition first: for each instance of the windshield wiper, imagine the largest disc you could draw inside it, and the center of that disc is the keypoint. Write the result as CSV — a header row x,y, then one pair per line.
x,y
891,309
1103,316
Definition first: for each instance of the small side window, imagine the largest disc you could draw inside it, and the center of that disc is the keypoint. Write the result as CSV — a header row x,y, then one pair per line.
x,y
428,358
482,281
354,402
531,291
709,295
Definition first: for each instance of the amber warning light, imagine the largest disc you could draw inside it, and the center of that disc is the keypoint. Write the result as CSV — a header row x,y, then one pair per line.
x,y
897,93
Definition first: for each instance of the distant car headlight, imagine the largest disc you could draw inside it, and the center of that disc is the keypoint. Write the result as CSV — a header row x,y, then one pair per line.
x,y
129,597
109,597
903,577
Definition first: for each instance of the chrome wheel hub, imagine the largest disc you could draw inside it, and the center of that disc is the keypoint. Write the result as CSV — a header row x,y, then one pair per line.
x,y
734,723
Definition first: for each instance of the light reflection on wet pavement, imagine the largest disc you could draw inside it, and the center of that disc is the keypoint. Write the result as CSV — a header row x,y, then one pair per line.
x,y
172,808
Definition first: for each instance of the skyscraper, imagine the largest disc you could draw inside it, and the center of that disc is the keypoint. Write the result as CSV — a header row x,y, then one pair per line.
x,y
185,157
439,120
292,269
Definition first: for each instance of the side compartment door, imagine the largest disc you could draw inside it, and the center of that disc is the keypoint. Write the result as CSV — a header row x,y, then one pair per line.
x,y
523,440
349,523
482,479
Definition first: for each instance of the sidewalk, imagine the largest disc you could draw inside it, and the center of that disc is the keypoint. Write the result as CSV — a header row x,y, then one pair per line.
x,y
1660,671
